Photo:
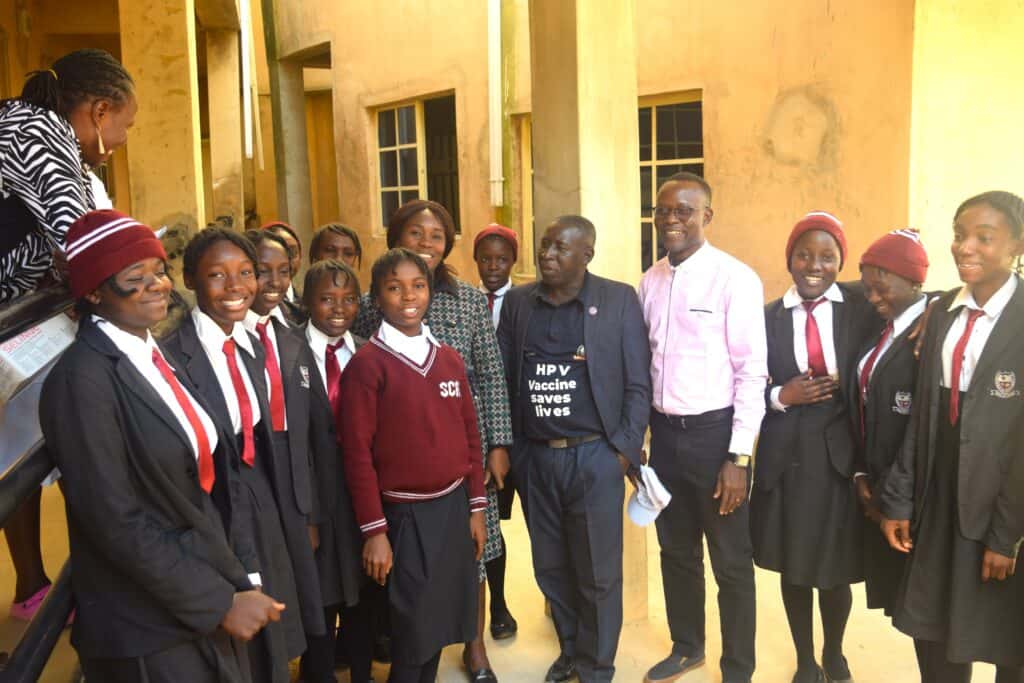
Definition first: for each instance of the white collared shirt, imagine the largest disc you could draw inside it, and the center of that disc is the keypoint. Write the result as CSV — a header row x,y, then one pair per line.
x,y
252,319
499,299
983,326
415,348
899,325
290,294
318,342
823,316
212,339
140,354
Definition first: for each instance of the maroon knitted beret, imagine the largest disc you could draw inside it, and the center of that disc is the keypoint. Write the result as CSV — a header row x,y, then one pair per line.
x,y
103,243
899,252
818,220
501,231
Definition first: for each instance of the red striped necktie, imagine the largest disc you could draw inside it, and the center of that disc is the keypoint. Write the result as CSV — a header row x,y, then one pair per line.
x,y
276,384
491,296
206,473
244,406
958,363
815,354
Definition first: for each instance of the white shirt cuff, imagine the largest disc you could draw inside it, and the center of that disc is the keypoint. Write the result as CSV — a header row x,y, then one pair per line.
x,y
256,580
741,443
776,403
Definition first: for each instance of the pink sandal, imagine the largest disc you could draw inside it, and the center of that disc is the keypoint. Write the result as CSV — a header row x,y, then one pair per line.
x,y
24,611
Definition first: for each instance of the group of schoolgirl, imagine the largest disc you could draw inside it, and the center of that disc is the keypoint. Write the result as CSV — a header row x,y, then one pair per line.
x,y
907,473
228,493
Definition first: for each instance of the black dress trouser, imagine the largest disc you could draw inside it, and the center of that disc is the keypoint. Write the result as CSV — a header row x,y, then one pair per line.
x,y
688,460
572,499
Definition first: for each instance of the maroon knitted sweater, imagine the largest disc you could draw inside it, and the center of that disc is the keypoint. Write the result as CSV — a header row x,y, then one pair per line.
x,y
408,432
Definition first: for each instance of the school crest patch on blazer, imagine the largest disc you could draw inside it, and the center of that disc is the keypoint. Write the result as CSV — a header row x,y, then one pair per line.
x,y
304,376
1005,381
903,401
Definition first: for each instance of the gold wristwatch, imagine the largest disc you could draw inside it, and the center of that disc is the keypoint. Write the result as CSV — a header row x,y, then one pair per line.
x,y
740,460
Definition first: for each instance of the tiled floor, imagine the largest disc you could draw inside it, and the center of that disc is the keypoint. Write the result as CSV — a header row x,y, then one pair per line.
x,y
877,653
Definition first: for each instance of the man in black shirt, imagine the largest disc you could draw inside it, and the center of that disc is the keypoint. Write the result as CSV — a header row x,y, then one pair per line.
x,y
577,361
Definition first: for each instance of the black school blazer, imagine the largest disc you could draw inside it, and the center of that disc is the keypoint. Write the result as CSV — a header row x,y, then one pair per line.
x,y
152,564
298,373
990,481
853,320
887,412
188,357
618,357
329,475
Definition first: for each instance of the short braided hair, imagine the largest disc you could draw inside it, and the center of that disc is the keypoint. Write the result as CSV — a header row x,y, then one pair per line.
x,y
78,77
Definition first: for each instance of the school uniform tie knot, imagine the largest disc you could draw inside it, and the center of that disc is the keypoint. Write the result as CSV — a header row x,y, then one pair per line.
x,y
274,372
333,375
204,456
815,353
244,405
958,363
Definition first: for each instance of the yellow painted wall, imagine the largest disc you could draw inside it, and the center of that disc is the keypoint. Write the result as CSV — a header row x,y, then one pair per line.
x,y
383,53
323,165
967,135
806,104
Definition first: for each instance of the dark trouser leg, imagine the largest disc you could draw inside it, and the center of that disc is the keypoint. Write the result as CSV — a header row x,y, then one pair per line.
x,y
680,538
22,532
208,660
593,525
496,581
799,604
688,462
1006,674
835,605
357,638
935,668
552,566
317,664
418,673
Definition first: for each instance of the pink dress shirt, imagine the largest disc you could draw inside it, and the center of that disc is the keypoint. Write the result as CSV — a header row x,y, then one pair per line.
x,y
705,322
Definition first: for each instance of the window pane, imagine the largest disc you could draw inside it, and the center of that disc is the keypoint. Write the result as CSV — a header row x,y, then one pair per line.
x,y
410,194
645,134
666,171
646,231
679,131
388,206
407,125
646,192
407,166
386,128
389,169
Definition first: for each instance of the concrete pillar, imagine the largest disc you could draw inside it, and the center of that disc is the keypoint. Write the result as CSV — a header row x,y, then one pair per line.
x,y
294,194
585,159
225,105
158,45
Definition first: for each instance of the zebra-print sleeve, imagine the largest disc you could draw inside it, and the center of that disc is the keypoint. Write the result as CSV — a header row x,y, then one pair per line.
x,y
40,164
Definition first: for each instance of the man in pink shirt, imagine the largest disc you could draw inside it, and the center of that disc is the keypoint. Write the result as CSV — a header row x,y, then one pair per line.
x,y
704,312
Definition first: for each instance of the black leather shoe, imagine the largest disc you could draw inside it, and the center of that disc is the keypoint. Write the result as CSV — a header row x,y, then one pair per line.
x,y
808,675
503,626
482,676
837,671
563,669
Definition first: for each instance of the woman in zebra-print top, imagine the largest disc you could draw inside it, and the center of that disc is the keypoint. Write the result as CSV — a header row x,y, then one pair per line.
x,y
68,119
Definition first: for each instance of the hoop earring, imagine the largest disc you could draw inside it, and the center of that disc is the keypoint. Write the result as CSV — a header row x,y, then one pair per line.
x,y
99,138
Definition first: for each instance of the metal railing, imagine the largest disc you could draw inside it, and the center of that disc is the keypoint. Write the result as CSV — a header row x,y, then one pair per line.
x,y
33,651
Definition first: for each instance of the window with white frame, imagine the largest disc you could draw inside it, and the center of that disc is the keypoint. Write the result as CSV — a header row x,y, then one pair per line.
x,y
417,151
671,140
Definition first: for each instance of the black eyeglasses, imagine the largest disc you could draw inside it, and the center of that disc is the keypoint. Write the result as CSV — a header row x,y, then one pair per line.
x,y
683,213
